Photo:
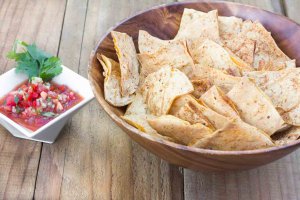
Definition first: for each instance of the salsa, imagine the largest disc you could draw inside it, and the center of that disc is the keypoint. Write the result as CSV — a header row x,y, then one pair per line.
x,y
35,103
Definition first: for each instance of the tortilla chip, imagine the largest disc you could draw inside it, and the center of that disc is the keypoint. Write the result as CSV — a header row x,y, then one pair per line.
x,y
230,33
293,116
267,55
229,27
285,92
236,135
283,87
140,122
200,87
137,106
137,115
186,113
216,77
189,109
287,136
196,26
262,78
291,64
215,99
129,64
214,55
112,88
217,120
179,130
180,101
172,53
149,44
182,110
162,87
255,107
238,61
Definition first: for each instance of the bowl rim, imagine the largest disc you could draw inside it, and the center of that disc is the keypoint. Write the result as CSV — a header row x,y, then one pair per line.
x,y
122,124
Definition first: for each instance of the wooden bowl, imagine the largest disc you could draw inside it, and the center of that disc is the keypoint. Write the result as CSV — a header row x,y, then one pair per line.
x,y
163,22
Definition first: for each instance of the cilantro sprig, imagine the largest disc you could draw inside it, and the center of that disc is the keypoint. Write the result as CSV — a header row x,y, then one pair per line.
x,y
35,62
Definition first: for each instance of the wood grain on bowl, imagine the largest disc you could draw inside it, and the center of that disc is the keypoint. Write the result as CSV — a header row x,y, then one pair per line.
x,y
163,22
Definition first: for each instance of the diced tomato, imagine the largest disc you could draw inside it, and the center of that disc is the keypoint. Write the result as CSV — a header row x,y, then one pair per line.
x,y
24,104
29,98
10,101
30,90
34,87
34,104
62,88
20,97
35,95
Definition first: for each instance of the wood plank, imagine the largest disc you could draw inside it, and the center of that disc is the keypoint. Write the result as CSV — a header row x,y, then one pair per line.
x,y
94,158
53,156
38,21
270,5
278,180
292,9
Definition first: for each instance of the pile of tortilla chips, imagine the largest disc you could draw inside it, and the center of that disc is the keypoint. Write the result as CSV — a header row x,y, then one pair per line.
x,y
222,83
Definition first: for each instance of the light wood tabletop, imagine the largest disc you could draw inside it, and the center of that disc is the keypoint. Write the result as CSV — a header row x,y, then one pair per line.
x,y
93,158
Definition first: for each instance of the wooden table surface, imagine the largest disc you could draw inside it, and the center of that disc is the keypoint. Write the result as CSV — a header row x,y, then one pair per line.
x,y
93,158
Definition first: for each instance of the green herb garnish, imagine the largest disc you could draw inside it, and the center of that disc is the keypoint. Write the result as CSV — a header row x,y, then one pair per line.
x,y
35,62
48,114
16,99
18,109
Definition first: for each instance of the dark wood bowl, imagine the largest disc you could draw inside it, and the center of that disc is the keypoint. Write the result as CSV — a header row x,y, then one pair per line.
x,y
163,22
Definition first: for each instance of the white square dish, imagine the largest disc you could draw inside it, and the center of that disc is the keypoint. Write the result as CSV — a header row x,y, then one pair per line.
x,y
49,132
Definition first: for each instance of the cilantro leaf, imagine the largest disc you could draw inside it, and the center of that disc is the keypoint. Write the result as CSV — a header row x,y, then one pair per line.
x,y
16,99
35,62
30,68
50,68
18,56
37,54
